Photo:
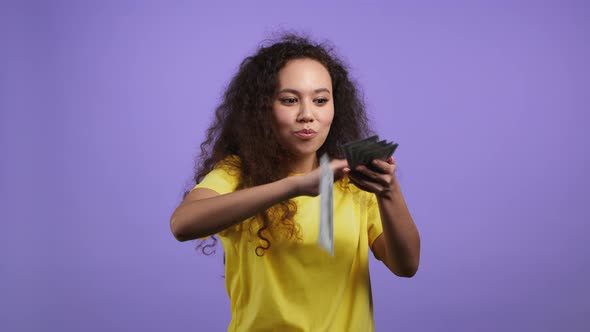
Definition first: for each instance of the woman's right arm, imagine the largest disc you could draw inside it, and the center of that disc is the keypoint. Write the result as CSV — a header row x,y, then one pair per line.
x,y
204,212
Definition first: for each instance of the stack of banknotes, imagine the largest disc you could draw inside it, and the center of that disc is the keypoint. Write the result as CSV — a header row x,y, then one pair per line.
x,y
362,152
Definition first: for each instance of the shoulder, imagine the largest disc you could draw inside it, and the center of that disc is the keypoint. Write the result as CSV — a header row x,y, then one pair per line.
x,y
224,177
230,164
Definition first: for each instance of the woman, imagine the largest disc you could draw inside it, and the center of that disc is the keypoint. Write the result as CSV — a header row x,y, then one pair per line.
x,y
257,189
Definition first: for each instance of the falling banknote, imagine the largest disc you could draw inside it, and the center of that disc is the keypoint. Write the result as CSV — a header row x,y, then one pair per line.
x,y
326,233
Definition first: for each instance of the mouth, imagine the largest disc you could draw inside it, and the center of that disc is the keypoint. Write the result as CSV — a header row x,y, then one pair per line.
x,y
306,133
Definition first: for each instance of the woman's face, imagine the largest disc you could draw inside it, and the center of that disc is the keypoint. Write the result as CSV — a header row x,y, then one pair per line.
x,y
303,106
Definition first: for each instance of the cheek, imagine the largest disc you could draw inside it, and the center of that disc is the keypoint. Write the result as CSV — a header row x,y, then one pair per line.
x,y
280,119
327,117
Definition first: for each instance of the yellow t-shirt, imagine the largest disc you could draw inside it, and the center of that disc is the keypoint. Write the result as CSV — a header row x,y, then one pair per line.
x,y
297,286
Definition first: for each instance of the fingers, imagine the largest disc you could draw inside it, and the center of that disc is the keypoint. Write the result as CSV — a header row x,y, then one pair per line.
x,y
338,164
378,178
383,166
381,172
339,167
372,176
366,185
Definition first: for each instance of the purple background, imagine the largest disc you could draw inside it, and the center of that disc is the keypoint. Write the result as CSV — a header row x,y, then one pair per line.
x,y
103,107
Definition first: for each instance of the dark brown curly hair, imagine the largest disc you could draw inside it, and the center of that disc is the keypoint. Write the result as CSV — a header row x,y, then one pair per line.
x,y
242,128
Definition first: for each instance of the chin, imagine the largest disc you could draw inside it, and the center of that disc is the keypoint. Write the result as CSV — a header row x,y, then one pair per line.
x,y
302,149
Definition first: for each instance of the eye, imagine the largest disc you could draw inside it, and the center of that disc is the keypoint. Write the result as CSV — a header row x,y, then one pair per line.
x,y
321,101
289,100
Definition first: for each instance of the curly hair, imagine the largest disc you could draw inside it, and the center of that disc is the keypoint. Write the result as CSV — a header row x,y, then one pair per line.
x,y
242,125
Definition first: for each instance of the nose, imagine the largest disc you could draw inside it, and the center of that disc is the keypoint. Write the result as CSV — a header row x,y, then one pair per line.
x,y
305,112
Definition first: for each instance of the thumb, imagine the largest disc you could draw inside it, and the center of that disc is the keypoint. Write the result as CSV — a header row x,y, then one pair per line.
x,y
338,166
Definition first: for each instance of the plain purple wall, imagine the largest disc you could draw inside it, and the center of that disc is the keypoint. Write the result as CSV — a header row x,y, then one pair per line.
x,y
104,104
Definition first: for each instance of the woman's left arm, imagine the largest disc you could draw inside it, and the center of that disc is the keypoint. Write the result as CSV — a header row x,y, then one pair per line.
x,y
399,245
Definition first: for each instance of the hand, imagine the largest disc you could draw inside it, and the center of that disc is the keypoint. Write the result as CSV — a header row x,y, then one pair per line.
x,y
308,184
378,179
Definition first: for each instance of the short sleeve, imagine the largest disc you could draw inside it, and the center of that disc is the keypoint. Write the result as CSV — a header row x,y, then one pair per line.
x,y
374,226
220,179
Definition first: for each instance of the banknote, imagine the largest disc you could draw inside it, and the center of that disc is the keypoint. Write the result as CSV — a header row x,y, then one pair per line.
x,y
326,231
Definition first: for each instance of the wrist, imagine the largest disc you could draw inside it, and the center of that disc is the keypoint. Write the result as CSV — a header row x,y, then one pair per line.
x,y
392,193
294,187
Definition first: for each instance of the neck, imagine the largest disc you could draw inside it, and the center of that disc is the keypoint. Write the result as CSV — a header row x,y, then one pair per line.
x,y
303,164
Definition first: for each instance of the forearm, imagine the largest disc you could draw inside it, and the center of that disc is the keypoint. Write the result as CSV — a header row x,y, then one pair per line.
x,y
204,217
400,233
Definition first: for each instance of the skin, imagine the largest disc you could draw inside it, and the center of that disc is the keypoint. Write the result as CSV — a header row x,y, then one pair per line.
x,y
304,101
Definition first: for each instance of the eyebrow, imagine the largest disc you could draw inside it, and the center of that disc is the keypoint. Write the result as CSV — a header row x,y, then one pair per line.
x,y
297,92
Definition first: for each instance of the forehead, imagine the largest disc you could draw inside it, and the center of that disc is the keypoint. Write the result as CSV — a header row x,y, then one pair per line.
x,y
304,74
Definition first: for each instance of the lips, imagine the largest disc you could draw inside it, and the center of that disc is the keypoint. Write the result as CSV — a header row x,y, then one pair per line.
x,y
306,133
